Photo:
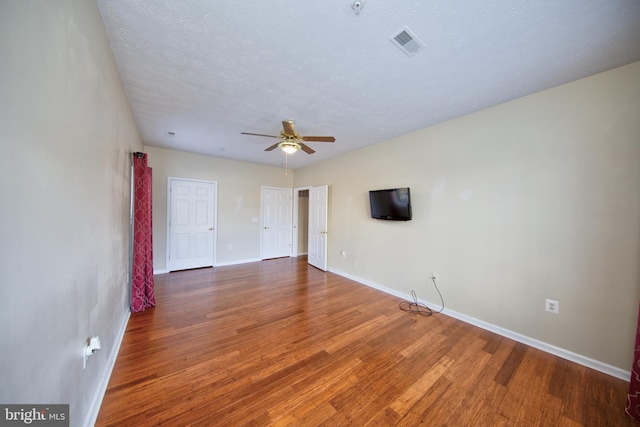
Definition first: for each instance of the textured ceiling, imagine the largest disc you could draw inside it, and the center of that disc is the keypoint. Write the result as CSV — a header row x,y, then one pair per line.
x,y
208,70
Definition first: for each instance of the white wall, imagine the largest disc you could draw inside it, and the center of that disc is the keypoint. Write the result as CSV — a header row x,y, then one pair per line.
x,y
66,132
532,199
239,193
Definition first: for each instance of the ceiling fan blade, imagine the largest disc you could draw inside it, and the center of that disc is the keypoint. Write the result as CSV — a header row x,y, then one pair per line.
x,y
273,147
306,148
259,134
318,138
288,127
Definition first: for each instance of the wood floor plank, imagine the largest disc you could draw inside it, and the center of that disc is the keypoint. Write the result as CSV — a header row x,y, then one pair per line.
x,y
281,343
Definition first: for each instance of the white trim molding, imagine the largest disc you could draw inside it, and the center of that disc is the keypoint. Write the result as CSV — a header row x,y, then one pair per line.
x,y
219,264
96,403
237,262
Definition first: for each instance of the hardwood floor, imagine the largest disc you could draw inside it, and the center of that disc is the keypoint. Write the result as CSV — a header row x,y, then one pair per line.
x,y
281,343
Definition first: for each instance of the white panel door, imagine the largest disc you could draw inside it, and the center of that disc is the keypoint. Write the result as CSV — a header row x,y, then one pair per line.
x,y
318,210
191,224
276,222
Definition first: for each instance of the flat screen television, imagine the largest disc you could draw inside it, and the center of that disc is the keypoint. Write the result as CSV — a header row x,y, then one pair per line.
x,y
392,204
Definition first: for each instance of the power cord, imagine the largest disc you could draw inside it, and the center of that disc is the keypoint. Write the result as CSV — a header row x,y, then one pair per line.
x,y
419,308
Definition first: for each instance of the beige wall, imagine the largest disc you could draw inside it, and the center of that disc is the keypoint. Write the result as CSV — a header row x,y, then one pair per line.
x,y
532,199
239,193
66,132
536,198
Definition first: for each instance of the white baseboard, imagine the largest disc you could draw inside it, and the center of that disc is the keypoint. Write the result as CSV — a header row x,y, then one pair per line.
x,y
240,261
218,264
94,409
540,345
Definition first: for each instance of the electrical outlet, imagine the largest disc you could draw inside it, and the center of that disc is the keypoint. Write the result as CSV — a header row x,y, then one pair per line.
x,y
552,306
230,246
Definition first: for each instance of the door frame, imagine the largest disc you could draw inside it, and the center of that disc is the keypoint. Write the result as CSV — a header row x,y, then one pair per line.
x,y
296,213
170,179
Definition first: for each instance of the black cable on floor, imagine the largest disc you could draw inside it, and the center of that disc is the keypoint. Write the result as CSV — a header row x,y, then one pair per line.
x,y
419,308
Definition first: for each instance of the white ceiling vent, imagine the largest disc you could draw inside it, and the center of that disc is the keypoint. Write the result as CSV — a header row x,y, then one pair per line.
x,y
407,41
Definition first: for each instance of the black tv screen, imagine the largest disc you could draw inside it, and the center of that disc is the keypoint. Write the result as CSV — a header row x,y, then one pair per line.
x,y
392,204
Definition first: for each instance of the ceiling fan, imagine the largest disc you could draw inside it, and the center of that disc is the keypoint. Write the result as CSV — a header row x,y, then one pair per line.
x,y
291,140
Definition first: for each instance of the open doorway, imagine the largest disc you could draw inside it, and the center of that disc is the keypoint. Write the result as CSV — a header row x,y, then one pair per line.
x,y
300,221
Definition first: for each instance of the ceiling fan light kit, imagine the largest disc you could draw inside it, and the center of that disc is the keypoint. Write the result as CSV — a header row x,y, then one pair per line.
x,y
289,146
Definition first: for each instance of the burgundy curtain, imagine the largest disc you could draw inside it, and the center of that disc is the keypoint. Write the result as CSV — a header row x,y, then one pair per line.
x,y
142,264
633,400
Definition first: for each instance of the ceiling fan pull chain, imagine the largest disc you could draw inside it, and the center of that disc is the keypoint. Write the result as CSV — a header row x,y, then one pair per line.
x,y
286,164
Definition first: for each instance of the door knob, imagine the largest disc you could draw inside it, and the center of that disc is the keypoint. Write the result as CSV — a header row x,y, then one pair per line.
x,y
266,228
210,228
